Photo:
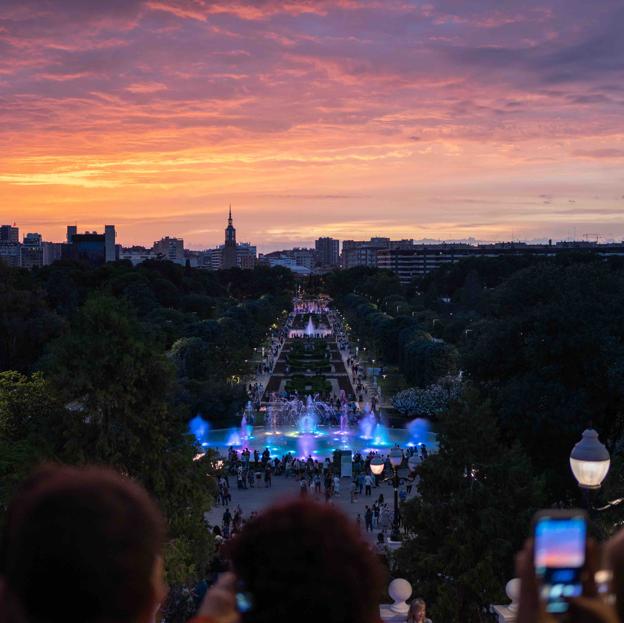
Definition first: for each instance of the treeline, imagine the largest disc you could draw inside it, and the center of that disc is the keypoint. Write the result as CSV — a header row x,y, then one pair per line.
x,y
540,345
399,329
106,365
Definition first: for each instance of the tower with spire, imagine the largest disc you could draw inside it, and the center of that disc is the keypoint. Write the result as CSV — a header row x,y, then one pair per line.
x,y
229,250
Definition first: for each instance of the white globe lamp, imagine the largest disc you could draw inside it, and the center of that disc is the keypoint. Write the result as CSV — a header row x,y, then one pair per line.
x,y
396,456
377,465
590,460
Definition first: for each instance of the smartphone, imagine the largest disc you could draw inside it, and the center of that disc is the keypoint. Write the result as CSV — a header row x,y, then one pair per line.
x,y
244,599
560,539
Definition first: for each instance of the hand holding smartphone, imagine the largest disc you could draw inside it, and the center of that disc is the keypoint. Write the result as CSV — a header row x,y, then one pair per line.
x,y
560,542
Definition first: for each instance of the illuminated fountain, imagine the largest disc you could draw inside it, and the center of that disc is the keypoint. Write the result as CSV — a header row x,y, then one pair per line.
x,y
368,423
246,425
304,425
313,428
200,429
233,439
344,419
311,329
307,422
271,420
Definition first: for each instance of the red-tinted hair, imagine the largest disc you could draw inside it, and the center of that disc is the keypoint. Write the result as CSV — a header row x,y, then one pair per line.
x,y
79,545
303,561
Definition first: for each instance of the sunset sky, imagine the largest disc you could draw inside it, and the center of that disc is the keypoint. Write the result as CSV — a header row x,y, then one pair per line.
x,y
441,119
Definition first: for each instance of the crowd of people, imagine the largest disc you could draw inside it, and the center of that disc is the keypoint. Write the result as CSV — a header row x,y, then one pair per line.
x,y
364,392
86,545
268,358
314,479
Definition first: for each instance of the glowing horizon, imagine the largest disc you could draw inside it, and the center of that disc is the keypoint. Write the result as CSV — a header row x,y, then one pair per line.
x,y
347,118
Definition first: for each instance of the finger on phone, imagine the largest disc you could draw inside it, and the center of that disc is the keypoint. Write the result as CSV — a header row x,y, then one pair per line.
x,y
226,581
592,564
529,605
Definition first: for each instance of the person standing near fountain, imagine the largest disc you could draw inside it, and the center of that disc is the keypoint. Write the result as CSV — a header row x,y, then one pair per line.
x,y
303,487
368,484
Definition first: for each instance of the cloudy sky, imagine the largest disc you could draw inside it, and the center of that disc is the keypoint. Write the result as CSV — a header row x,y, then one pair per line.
x,y
439,119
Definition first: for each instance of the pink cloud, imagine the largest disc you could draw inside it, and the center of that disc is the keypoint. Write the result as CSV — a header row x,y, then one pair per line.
x,y
194,100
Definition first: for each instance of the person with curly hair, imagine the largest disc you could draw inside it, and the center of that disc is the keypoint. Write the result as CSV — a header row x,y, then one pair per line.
x,y
299,561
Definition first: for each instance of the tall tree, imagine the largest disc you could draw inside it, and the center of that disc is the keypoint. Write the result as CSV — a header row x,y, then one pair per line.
x,y
550,355
29,417
477,496
117,389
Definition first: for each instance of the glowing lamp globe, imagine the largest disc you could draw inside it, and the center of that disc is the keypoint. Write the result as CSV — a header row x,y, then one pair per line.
x,y
396,456
377,465
589,460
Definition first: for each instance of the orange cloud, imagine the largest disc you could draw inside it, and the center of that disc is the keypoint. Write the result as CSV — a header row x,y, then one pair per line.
x,y
349,118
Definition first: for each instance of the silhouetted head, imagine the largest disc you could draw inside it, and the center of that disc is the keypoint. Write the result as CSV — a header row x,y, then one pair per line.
x,y
303,561
81,545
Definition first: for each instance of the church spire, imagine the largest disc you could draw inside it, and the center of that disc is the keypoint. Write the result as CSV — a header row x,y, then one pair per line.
x,y
230,256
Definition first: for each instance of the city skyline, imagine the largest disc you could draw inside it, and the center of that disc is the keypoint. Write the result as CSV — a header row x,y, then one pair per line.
x,y
347,119
310,243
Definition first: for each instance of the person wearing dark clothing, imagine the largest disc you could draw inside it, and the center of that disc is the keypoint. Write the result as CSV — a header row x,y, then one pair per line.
x,y
81,545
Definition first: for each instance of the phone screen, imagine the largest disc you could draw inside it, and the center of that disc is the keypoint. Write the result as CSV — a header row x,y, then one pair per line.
x,y
244,602
559,559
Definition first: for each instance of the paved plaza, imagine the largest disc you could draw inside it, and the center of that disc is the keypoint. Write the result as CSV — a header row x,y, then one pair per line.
x,y
259,498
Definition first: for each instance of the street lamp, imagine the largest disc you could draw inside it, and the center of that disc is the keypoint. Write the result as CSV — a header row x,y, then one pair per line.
x,y
589,461
396,458
377,465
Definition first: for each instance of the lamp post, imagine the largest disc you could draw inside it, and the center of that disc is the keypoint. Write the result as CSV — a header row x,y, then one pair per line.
x,y
396,458
590,462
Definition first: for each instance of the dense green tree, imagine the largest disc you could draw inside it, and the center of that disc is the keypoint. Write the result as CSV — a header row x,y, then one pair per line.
x,y
132,353
212,398
550,355
190,355
29,415
424,360
26,324
242,284
117,389
472,290
477,497
341,283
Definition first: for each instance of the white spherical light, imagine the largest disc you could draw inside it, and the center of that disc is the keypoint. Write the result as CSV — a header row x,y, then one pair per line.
x,y
396,456
590,460
377,465
400,591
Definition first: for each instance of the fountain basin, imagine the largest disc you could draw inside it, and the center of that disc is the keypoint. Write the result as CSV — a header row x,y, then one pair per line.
x,y
321,444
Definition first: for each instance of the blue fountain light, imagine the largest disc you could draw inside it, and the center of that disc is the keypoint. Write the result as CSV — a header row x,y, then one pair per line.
x,y
368,424
419,430
381,435
233,438
199,428
313,438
